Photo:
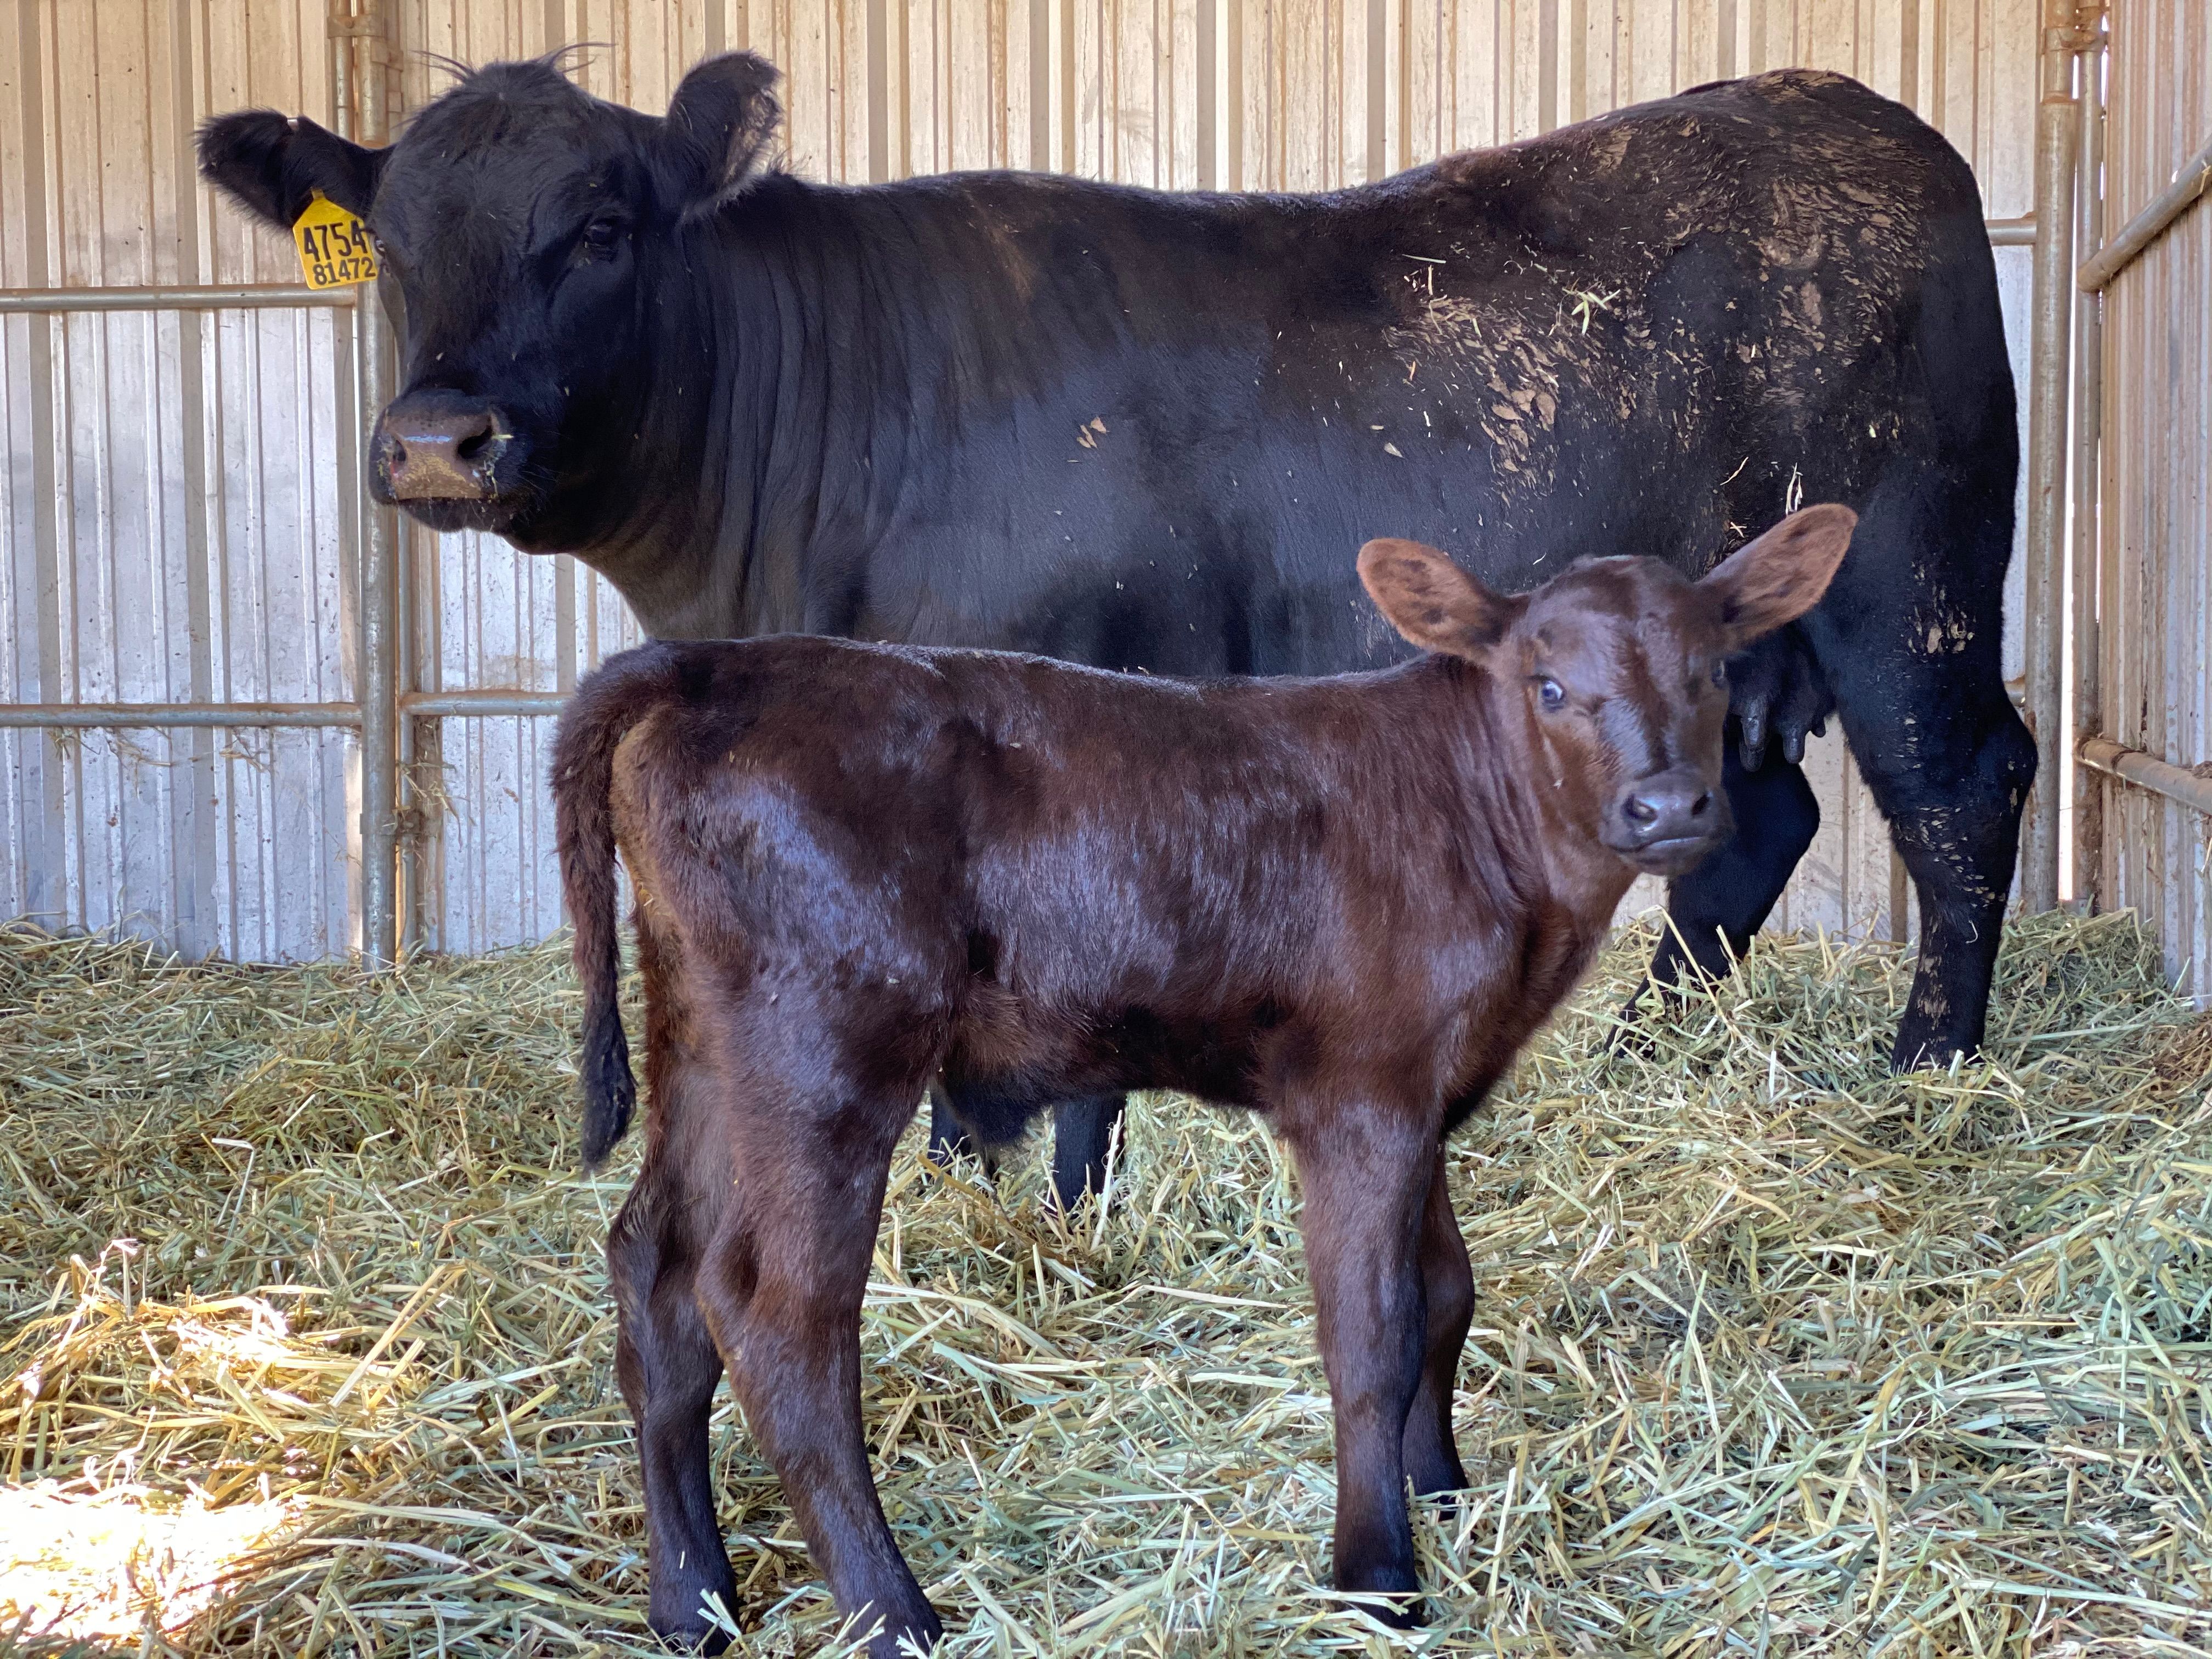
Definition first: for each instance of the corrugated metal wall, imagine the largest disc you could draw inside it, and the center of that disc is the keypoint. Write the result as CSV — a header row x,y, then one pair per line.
x,y
175,513
173,533
2156,497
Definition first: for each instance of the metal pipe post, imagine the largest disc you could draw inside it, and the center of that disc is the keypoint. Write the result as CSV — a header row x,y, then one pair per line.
x,y
2088,790
380,588
2050,329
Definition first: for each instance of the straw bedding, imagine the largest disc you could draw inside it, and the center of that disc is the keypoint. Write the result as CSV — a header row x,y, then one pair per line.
x,y
307,1349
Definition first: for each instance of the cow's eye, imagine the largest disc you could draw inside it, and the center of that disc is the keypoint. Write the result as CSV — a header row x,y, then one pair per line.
x,y
1551,693
600,236
1720,672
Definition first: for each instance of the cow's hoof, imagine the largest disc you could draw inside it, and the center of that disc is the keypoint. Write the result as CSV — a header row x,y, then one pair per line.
x,y
1632,1035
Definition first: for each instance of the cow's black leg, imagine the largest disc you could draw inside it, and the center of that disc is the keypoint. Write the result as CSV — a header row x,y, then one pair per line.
x,y
1718,908
1955,820
1917,671
1082,1135
667,1367
1448,1309
947,1139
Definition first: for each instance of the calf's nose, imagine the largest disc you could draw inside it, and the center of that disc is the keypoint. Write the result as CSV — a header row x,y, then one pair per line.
x,y
1668,807
440,448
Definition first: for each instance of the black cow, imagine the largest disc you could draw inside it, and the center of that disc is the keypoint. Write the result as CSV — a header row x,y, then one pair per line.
x,y
1137,430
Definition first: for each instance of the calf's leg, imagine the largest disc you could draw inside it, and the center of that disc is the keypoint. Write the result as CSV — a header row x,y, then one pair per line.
x,y
1448,1305
1366,1178
781,1284
665,1362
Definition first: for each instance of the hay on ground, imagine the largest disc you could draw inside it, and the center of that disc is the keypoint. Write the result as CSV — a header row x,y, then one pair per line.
x,y
307,1349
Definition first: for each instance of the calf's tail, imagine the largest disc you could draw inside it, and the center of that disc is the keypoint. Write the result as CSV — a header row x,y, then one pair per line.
x,y
605,707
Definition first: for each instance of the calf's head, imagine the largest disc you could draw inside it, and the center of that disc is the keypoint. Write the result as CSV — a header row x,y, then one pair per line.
x,y
1616,671
516,220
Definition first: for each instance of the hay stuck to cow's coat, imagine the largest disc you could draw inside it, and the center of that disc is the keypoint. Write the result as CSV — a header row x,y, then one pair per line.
x,y
1774,1353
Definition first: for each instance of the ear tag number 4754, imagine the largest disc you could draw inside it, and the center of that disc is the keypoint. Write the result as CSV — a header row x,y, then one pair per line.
x,y
335,251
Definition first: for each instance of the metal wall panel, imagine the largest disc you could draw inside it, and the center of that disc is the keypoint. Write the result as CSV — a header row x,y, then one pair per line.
x,y
2156,501
1185,94
175,526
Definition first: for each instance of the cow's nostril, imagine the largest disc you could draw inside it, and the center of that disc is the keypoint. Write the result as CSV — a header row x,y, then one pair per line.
x,y
472,448
1702,805
1640,811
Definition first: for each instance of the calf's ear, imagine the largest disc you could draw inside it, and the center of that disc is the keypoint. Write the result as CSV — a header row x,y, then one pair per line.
x,y
1434,603
720,124
272,165
1780,576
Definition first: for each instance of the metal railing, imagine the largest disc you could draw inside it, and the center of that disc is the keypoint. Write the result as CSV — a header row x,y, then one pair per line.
x,y
240,296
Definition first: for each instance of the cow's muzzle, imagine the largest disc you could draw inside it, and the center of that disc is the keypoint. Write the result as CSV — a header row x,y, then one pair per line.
x,y
440,446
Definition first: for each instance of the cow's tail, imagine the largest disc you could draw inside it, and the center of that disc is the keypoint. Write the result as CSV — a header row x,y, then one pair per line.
x,y
605,707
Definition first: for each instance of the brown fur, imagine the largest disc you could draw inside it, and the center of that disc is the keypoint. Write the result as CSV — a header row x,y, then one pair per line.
x,y
1344,903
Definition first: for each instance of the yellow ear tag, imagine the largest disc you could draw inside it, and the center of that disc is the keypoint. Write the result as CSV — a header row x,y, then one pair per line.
x,y
334,247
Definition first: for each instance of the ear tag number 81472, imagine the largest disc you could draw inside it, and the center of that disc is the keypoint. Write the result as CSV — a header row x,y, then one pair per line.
x,y
335,250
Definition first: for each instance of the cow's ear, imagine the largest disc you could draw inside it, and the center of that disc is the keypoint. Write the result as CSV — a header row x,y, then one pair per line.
x,y
719,125
1780,576
1434,603
272,165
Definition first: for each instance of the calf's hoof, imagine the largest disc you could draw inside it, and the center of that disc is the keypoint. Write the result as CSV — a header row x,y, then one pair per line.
x,y
1435,1475
902,1639
1390,1594
1405,1612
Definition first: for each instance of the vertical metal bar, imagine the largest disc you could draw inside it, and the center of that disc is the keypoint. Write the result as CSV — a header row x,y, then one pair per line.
x,y
200,926
379,594
1378,83
2048,352
1208,106
1040,85
2088,790
878,91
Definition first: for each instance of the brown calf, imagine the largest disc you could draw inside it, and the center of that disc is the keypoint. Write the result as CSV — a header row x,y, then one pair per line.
x,y
1345,902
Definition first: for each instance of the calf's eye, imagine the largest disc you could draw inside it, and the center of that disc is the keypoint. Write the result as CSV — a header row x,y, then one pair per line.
x,y
1551,693
601,235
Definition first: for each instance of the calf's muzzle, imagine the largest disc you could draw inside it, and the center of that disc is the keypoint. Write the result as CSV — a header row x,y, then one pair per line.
x,y
1667,822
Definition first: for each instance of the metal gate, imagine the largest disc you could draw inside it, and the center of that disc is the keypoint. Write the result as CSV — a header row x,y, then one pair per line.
x,y
324,728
